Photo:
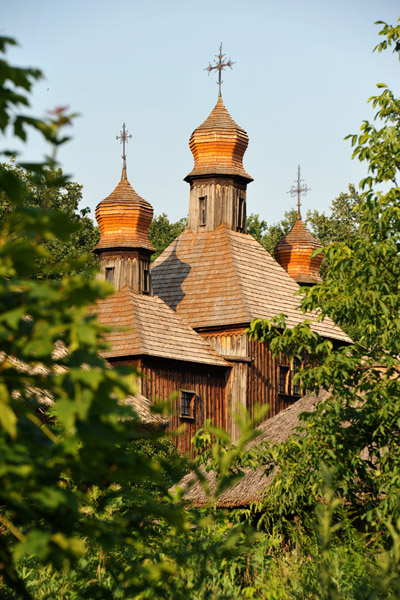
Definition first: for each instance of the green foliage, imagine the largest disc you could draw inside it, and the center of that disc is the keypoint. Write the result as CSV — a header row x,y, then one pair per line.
x,y
269,236
85,510
356,432
73,485
342,225
50,192
162,232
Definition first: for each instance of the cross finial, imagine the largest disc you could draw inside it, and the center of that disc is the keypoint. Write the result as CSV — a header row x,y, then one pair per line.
x,y
219,65
299,189
124,137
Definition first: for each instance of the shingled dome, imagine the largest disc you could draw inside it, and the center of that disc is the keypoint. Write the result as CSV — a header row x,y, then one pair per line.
x,y
218,146
294,254
124,219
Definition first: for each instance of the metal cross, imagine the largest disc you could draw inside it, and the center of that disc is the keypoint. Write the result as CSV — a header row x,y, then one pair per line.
x,y
124,137
299,189
219,65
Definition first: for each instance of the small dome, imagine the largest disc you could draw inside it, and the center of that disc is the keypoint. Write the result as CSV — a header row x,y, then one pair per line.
x,y
124,219
218,146
294,252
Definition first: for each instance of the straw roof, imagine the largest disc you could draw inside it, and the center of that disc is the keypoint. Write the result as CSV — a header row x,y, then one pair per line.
x,y
253,486
140,404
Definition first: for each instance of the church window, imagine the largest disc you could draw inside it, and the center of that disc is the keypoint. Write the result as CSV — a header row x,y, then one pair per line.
x,y
203,210
296,368
286,375
240,214
109,274
283,379
187,404
146,279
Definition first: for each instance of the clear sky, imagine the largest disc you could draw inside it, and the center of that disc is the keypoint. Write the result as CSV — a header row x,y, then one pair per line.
x,y
303,72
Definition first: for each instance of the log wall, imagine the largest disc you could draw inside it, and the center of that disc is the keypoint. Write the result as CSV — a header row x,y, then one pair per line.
x,y
234,347
162,380
127,270
222,205
263,380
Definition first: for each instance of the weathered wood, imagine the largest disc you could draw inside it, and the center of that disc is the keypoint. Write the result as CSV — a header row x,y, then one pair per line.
x,y
163,380
234,348
222,200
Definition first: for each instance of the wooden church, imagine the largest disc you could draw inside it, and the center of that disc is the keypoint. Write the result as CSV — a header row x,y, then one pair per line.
x,y
182,320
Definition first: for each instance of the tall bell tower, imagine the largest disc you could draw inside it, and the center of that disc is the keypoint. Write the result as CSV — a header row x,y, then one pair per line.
x,y
218,180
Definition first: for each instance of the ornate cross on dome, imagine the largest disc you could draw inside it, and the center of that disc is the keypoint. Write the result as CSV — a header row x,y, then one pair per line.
x,y
219,65
124,137
299,189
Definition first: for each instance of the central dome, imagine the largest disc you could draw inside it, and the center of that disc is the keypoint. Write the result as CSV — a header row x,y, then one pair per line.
x,y
218,146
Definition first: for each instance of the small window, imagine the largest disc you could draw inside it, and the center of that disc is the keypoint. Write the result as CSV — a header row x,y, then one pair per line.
x,y
203,210
283,379
187,404
109,274
146,279
240,214
296,368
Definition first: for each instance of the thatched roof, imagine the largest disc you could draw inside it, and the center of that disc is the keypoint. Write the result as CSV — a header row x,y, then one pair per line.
x,y
140,404
142,407
253,486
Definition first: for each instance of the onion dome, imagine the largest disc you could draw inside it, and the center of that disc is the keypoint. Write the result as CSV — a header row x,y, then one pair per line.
x,y
218,146
294,252
124,219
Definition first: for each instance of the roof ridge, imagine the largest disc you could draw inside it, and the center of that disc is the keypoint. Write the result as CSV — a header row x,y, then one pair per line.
x,y
138,319
237,272
186,325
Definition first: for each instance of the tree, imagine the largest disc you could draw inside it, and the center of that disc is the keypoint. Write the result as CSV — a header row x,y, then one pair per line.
x,y
73,506
162,232
48,192
356,432
342,225
269,236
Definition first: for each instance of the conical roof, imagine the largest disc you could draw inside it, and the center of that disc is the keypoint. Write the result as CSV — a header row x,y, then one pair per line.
x,y
124,219
218,146
294,254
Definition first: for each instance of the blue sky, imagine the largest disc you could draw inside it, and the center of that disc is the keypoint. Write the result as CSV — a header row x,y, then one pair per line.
x,y
303,72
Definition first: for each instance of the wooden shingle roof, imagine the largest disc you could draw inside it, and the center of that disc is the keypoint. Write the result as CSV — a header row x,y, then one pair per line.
x,y
222,277
124,218
218,146
145,325
295,254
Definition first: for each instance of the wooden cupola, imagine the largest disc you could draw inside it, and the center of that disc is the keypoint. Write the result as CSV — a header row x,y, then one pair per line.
x,y
124,249
294,254
295,251
218,179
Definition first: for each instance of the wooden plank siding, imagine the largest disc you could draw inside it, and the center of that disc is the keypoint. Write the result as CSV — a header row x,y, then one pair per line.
x,y
222,198
162,379
252,379
263,378
234,347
